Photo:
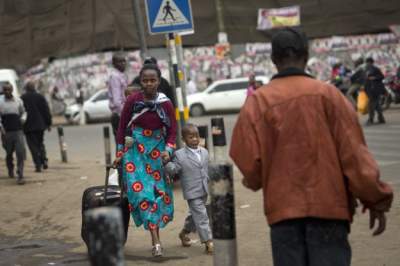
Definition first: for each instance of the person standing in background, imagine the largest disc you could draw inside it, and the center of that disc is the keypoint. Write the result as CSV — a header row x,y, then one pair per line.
x,y
251,88
38,120
12,116
357,80
79,99
117,84
58,105
191,87
209,81
374,88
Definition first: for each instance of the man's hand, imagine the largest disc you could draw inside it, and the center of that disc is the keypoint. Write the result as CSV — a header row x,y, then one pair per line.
x,y
2,131
381,218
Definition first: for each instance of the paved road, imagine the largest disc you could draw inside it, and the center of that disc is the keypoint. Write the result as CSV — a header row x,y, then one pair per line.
x,y
86,142
47,209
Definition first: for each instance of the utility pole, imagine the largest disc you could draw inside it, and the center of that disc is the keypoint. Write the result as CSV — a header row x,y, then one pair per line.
x,y
139,28
220,15
222,47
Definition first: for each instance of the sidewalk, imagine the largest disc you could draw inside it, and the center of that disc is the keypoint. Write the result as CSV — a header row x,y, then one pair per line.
x,y
48,209
40,222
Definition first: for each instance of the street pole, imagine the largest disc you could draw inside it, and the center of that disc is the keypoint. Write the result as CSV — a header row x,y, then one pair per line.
x,y
105,236
219,139
139,28
182,78
175,85
63,145
223,215
220,15
203,133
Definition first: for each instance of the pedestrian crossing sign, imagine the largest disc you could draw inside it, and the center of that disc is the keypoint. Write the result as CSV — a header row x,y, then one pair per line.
x,y
166,16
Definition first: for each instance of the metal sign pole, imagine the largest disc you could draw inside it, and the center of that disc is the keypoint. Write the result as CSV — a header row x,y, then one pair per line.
x,y
182,77
174,62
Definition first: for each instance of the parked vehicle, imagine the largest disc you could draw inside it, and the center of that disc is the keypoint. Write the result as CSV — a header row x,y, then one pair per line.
x,y
95,109
222,95
10,76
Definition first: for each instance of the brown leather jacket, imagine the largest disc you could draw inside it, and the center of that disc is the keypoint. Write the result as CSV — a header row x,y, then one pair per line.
x,y
299,140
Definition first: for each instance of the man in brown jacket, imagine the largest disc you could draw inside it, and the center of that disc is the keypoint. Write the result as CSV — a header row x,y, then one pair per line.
x,y
299,140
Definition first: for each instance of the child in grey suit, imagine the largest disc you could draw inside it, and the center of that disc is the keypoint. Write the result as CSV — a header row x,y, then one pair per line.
x,y
191,164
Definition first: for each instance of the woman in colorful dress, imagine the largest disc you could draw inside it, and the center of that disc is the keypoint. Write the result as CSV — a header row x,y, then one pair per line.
x,y
145,138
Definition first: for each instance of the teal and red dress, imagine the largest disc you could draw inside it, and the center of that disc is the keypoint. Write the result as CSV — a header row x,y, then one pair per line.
x,y
152,126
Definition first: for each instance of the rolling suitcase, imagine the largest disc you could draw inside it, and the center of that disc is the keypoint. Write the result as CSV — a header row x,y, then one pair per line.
x,y
107,195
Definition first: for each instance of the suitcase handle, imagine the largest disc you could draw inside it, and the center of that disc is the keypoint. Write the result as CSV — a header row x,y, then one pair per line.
x,y
108,168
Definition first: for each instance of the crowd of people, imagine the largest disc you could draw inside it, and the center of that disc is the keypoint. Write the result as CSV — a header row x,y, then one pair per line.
x,y
307,165
298,139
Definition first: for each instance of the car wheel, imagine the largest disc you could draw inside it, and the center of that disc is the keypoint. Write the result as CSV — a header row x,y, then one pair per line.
x,y
197,110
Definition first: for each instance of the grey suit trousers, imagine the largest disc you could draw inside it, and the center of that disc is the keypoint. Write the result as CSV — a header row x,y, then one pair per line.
x,y
199,217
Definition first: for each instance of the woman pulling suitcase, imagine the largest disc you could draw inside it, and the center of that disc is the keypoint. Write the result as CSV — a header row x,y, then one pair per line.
x,y
145,138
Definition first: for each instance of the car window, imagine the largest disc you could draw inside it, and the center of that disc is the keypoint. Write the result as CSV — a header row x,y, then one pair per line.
x,y
222,88
230,86
239,85
101,97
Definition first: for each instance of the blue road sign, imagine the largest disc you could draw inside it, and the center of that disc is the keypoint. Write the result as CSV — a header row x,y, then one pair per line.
x,y
165,16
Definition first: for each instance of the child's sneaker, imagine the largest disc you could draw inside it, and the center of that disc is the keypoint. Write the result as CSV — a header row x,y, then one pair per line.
x,y
209,247
186,241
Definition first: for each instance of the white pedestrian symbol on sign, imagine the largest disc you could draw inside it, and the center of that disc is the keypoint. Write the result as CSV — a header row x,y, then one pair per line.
x,y
169,14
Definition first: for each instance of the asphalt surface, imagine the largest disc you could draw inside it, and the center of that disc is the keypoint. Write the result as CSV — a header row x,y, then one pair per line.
x,y
40,222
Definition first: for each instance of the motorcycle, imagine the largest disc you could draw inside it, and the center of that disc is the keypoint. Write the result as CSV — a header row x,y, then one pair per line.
x,y
392,92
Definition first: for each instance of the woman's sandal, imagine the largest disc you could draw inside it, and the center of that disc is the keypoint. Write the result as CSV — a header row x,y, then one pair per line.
x,y
157,250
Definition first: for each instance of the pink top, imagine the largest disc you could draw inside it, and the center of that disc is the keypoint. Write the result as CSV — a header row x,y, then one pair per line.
x,y
148,120
250,90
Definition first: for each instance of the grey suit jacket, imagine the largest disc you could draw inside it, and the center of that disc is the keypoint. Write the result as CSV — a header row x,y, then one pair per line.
x,y
193,173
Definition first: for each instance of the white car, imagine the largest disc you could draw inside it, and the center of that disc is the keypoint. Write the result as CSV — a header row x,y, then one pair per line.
x,y
95,109
222,95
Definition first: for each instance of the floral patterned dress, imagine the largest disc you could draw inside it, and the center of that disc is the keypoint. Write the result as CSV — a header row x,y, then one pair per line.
x,y
148,189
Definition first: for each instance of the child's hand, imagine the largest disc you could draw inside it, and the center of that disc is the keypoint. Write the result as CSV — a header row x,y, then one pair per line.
x,y
128,142
165,157
117,162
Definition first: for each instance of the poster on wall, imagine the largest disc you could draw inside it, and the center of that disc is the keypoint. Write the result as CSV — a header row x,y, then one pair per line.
x,y
278,17
395,29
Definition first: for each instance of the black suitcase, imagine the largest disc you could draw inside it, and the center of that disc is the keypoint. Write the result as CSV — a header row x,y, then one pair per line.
x,y
93,197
